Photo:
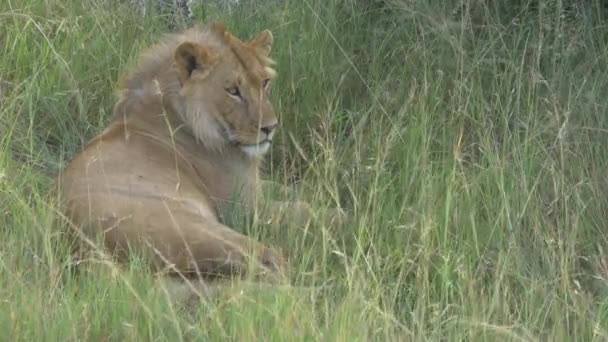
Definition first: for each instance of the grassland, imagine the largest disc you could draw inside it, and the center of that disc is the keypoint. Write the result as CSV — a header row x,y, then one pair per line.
x,y
468,144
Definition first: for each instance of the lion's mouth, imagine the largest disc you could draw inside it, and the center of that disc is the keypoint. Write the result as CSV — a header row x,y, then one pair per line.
x,y
260,143
256,150
233,139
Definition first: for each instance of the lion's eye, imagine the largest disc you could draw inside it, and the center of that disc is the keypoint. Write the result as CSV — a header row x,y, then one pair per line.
x,y
265,83
234,91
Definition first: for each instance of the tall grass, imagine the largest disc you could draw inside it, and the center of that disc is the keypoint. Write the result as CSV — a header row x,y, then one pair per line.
x,y
467,141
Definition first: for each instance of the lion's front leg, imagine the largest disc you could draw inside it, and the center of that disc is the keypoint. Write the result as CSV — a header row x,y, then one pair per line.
x,y
214,249
179,237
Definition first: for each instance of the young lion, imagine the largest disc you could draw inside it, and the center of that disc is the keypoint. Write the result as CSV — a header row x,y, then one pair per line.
x,y
189,129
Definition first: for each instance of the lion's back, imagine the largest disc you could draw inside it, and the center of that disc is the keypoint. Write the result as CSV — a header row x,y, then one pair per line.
x,y
114,171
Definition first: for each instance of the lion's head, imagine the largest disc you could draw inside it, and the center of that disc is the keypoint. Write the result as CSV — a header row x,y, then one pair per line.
x,y
224,88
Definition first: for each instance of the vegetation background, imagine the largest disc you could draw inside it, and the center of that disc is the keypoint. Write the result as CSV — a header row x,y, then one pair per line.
x,y
466,138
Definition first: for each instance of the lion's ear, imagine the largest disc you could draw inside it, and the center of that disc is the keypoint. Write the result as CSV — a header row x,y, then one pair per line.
x,y
218,28
190,57
263,41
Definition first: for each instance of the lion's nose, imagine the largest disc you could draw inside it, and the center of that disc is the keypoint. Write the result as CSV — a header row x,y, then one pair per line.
x,y
268,129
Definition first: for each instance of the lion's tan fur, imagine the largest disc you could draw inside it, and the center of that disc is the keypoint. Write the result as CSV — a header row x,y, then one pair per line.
x,y
178,148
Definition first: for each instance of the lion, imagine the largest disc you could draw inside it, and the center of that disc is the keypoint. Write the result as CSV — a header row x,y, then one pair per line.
x,y
189,131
